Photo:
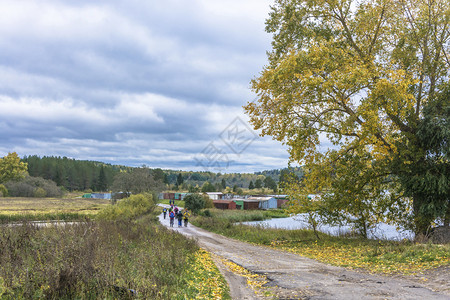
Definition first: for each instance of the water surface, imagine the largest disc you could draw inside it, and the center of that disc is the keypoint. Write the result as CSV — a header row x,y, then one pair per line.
x,y
381,231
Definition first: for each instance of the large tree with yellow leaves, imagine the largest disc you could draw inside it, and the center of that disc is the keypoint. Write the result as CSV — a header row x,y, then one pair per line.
x,y
11,168
360,74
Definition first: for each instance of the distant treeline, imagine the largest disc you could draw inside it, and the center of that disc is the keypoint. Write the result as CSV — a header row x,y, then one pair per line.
x,y
82,175
73,174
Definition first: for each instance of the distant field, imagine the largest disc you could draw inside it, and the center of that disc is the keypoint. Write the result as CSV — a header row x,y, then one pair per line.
x,y
36,208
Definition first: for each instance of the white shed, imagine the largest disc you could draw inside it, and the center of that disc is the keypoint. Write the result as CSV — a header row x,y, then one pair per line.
x,y
215,195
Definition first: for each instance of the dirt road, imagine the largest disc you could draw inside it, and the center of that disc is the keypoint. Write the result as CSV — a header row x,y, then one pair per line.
x,y
292,276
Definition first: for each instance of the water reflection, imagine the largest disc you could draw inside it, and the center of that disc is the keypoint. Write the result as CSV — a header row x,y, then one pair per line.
x,y
381,231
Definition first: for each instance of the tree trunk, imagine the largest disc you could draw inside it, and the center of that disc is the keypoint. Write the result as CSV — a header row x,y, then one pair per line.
x,y
422,222
313,223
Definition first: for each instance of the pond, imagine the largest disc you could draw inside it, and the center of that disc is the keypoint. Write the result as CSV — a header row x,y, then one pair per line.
x,y
381,231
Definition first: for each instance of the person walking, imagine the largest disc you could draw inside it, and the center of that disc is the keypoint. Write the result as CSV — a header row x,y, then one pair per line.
x,y
180,218
172,218
186,215
164,212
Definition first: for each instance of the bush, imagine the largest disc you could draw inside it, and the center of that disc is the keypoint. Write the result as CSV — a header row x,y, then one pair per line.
x,y
3,191
39,192
208,202
194,202
128,208
27,187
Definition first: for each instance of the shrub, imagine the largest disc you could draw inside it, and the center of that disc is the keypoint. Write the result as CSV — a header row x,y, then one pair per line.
x,y
128,208
3,191
39,192
27,187
208,202
194,202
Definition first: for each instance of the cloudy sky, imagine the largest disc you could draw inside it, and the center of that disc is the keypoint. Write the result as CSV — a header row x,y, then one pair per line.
x,y
160,83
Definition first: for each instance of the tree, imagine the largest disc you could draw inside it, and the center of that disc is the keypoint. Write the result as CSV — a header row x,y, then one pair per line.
x,y
224,184
180,179
359,73
194,202
251,186
193,189
287,176
11,168
258,183
426,174
158,174
301,203
101,181
208,187
270,183
139,180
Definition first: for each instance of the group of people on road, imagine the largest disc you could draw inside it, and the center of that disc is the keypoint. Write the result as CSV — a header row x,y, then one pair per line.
x,y
175,212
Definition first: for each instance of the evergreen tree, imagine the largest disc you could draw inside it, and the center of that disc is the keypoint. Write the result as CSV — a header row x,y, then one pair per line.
x,y
101,182
258,183
251,186
270,183
180,179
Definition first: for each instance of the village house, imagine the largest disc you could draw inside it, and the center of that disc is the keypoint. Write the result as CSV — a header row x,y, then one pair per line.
x,y
215,195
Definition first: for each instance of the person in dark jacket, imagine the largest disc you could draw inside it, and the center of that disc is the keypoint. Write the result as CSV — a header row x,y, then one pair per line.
x,y
164,212
180,218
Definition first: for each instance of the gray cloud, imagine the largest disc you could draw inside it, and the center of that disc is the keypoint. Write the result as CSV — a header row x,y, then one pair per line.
x,y
130,82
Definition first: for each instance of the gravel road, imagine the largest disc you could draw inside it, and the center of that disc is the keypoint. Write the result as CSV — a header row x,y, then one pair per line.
x,y
292,276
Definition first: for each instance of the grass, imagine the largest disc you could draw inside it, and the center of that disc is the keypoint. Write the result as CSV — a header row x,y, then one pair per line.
x,y
92,260
107,259
204,280
404,257
14,209
179,203
236,216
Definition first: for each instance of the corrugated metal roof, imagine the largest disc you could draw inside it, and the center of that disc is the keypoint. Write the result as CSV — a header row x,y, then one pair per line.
x,y
260,198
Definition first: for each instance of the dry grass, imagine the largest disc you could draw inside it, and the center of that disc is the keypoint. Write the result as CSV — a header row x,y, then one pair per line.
x,y
36,206
17,209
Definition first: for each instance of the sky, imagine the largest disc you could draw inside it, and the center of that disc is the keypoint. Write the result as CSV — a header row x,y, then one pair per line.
x,y
155,83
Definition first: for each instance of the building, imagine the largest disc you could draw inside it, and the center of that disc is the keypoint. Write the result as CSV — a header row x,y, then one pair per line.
x,y
101,195
267,202
239,203
281,200
215,195
251,204
224,204
172,196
